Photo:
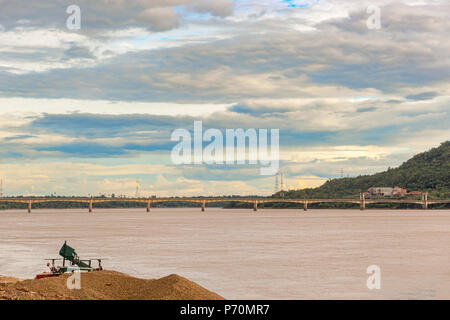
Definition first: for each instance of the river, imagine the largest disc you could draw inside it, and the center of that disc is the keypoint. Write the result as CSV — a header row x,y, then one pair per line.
x,y
240,254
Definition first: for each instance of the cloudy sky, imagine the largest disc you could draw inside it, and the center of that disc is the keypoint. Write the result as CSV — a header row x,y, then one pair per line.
x,y
89,111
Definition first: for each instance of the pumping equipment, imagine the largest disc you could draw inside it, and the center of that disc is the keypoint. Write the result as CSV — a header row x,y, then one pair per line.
x,y
70,263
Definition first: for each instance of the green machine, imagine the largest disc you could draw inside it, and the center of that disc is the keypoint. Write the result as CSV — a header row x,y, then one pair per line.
x,y
71,263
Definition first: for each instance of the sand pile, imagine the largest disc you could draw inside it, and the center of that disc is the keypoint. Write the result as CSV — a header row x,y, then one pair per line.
x,y
108,285
8,279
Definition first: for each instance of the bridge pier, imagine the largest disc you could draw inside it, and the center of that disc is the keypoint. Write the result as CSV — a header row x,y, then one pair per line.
x,y
90,206
362,204
149,203
29,206
425,200
305,205
255,205
203,205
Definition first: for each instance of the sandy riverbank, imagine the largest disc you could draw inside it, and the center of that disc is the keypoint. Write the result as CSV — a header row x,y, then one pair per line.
x,y
105,285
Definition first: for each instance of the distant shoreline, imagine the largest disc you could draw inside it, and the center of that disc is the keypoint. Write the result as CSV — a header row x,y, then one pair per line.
x,y
355,208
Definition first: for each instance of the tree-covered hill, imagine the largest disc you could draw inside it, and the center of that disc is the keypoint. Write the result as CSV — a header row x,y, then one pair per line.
x,y
427,171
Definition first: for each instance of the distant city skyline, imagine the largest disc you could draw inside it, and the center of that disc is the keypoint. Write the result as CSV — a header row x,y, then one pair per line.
x,y
89,111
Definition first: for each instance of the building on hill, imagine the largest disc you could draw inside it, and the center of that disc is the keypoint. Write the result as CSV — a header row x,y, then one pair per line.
x,y
380,191
399,192
387,191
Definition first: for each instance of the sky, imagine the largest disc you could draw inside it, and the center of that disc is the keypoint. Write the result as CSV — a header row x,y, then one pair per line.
x,y
91,111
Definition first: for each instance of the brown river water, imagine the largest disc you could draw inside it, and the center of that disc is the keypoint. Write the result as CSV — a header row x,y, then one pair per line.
x,y
240,254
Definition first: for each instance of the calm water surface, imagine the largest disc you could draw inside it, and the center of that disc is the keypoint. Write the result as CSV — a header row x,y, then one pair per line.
x,y
271,254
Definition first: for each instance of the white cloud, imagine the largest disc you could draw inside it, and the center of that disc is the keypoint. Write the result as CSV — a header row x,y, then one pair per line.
x,y
36,107
304,70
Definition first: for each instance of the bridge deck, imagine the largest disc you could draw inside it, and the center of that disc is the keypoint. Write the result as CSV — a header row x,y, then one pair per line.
x,y
203,201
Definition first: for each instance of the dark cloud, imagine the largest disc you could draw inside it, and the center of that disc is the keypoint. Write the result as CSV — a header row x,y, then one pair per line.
x,y
218,8
341,53
98,150
367,109
422,96
156,15
18,137
160,19
104,126
78,52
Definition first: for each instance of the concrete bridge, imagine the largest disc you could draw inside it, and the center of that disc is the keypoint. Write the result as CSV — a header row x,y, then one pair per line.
x,y
362,202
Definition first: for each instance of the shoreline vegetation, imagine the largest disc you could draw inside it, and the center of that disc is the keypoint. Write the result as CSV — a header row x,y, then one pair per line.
x,y
425,172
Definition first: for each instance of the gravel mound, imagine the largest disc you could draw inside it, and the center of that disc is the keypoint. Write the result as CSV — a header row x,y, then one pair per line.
x,y
107,285
8,279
